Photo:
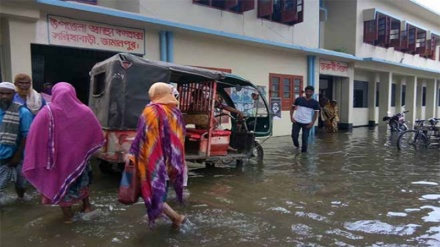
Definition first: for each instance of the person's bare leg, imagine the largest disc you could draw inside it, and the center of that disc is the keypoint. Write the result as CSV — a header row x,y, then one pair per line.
x,y
68,214
176,218
87,207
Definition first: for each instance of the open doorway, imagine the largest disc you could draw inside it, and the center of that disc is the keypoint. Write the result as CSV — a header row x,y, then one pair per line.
x,y
64,64
325,92
325,87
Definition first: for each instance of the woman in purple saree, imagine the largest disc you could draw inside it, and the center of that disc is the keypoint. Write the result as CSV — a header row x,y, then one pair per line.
x,y
62,138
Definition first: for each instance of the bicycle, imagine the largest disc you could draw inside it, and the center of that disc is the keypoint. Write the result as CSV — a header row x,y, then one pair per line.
x,y
421,137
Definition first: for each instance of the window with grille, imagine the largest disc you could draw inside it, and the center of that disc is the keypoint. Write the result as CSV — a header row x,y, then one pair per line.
x,y
403,94
393,94
360,94
285,87
237,6
289,12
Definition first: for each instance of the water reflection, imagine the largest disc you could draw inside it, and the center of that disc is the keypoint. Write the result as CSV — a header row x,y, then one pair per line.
x,y
351,189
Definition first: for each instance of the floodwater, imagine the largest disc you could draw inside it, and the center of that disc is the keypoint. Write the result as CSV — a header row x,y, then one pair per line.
x,y
351,189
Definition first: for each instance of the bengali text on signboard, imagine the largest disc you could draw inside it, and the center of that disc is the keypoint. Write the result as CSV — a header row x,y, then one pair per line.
x,y
333,68
76,33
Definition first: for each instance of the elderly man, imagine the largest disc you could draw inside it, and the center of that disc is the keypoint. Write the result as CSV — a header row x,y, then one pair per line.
x,y
15,121
26,95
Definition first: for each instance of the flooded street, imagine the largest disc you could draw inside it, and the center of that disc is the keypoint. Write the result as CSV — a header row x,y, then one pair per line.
x,y
351,189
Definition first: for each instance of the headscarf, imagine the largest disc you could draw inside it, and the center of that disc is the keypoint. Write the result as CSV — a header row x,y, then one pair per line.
x,y
158,149
62,138
34,100
162,93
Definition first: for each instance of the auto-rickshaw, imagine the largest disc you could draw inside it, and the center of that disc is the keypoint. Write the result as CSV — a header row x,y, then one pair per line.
x,y
119,92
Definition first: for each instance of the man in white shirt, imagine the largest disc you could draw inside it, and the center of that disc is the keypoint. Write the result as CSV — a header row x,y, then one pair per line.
x,y
303,113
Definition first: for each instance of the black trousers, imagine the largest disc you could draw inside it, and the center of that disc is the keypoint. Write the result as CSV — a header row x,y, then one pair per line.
x,y
296,127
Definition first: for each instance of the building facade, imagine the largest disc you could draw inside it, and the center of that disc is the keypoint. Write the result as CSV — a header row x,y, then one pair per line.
x,y
371,56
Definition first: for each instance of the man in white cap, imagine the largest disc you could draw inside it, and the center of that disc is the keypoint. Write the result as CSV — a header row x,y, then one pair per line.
x,y
15,121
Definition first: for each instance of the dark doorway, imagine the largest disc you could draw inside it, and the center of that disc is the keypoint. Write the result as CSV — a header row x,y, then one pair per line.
x,y
326,87
63,64
325,91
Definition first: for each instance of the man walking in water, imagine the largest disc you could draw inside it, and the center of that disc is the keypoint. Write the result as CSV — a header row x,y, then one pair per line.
x,y
303,114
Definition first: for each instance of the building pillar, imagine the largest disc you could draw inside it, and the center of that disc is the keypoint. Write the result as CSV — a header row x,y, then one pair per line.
x,y
411,99
346,105
18,54
385,95
372,109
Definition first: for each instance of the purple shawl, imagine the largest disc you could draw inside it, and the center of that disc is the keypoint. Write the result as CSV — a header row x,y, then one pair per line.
x,y
62,137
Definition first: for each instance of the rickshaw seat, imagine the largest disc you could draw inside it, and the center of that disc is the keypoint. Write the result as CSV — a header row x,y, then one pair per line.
x,y
200,132
201,120
196,119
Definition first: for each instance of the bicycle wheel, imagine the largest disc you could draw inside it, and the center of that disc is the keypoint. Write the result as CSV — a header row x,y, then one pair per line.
x,y
411,140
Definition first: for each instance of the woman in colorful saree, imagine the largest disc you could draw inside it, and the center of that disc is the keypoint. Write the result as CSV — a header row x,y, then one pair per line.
x,y
335,116
331,116
158,153
61,140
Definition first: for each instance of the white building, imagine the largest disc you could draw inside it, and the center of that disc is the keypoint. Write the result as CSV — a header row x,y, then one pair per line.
x,y
371,56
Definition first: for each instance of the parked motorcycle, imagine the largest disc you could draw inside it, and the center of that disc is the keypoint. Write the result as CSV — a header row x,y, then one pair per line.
x,y
397,122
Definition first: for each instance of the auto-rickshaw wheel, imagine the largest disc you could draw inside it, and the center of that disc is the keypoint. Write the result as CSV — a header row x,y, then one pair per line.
x,y
105,167
239,163
257,154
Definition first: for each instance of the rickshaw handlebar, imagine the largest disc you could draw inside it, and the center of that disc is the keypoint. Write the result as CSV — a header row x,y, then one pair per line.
x,y
241,117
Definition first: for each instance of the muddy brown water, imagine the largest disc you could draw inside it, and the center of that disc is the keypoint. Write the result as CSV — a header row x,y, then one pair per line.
x,y
351,189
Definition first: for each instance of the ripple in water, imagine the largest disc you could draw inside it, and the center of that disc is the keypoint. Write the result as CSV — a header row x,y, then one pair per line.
x,y
396,214
433,216
378,227
431,197
425,183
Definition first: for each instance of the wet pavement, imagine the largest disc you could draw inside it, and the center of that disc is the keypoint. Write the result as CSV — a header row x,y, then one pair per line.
x,y
351,189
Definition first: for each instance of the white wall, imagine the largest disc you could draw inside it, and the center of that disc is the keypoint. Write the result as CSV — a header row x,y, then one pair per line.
x,y
5,50
338,22
19,47
17,32
247,24
131,5
252,63
360,115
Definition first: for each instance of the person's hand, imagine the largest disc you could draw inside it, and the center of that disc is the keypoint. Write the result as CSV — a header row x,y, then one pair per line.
x,y
127,158
309,126
292,120
14,162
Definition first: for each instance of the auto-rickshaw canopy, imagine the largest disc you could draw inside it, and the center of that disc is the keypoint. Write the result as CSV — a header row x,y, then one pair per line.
x,y
119,86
